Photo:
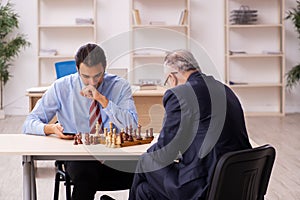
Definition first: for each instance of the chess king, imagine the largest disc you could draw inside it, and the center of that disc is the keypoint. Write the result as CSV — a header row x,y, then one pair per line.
x,y
70,99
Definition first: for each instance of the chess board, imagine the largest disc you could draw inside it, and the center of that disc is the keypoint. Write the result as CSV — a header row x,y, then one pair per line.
x,y
111,139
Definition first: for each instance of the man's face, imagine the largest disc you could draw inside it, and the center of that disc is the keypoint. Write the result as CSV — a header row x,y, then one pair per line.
x,y
91,75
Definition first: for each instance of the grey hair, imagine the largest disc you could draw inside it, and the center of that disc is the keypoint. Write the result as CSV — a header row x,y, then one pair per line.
x,y
182,60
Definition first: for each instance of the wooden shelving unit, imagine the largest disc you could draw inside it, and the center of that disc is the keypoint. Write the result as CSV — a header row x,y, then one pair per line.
x,y
256,71
57,30
157,31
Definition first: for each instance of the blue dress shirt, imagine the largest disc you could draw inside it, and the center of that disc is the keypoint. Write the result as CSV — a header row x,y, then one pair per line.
x,y
63,99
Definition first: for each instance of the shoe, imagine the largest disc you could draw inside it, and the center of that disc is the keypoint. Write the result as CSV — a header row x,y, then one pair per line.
x,y
106,197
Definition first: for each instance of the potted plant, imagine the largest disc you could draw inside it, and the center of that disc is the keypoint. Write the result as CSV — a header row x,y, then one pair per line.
x,y
293,76
10,43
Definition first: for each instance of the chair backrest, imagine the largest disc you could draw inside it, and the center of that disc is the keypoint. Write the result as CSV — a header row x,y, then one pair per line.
x,y
242,175
65,68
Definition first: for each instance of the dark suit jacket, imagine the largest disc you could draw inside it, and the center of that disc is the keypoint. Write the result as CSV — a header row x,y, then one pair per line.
x,y
203,120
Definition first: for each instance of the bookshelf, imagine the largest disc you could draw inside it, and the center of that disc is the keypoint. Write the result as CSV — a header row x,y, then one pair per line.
x,y
156,27
255,58
62,27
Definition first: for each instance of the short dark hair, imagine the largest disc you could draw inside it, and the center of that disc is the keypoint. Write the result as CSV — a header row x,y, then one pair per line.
x,y
90,55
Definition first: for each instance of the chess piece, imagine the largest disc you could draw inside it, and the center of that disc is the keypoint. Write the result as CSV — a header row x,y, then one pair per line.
x,y
151,132
113,140
134,133
139,137
118,141
147,134
87,139
111,127
125,137
97,129
105,132
122,135
79,138
130,129
92,139
75,140
130,138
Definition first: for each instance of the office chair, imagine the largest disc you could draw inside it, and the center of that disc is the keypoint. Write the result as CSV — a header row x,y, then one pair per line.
x,y
64,68
62,175
242,175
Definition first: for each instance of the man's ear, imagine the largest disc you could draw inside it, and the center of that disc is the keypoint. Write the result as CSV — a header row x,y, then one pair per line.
x,y
174,79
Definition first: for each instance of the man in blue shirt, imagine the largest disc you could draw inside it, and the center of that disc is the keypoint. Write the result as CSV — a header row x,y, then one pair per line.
x,y
69,98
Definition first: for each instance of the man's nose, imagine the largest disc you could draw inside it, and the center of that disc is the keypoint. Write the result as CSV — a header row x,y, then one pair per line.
x,y
92,81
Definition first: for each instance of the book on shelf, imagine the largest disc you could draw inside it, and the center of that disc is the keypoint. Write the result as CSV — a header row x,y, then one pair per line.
x,y
183,17
136,17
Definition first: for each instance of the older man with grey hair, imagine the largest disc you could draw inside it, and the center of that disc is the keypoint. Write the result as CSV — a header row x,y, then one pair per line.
x,y
203,120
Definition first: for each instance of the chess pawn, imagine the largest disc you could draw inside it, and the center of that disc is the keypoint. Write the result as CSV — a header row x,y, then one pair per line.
x,y
139,137
113,141
118,141
151,132
102,138
107,140
87,139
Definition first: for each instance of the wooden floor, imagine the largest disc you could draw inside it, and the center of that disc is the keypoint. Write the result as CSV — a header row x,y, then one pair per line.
x,y
282,132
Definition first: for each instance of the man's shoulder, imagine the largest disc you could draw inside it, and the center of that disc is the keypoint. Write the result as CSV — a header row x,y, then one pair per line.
x,y
66,81
115,79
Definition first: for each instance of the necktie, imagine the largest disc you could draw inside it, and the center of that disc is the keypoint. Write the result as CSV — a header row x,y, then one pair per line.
x,y
95,117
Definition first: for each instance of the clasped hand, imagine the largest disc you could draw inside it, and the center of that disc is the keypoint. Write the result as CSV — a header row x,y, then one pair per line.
x,y
89,91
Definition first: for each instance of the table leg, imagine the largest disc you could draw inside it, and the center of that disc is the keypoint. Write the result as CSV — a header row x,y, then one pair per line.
x,y
26,178
29,186
33,183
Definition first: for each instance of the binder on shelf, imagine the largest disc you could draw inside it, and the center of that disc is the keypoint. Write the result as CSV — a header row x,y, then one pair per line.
x,y
183,17
136,16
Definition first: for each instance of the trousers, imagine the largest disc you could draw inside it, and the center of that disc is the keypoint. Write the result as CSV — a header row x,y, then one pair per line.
x,y
89,177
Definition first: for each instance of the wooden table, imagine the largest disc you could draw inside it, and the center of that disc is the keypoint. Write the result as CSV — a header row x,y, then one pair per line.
x,y
33,148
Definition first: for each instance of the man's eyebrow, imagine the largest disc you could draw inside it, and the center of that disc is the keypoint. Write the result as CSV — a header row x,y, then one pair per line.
x,y
100,73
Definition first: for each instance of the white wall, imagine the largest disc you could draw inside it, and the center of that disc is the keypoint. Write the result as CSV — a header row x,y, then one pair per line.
x,y
207,18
